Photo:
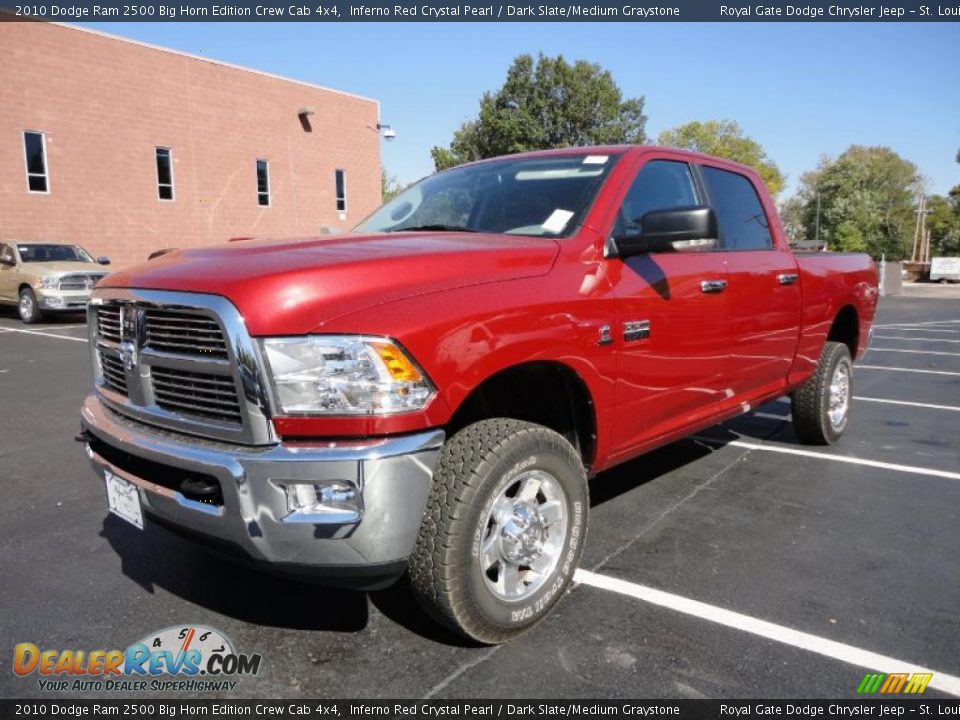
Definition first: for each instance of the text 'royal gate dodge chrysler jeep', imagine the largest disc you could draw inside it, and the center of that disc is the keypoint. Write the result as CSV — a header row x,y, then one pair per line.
x,y
431,392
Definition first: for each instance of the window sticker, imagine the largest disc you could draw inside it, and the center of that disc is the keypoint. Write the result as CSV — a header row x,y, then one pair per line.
x,y
596,159
557,221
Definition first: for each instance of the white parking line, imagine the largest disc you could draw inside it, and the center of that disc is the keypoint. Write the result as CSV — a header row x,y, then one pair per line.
x,y
915,339
55,328
43,334
908,370
919,324
914,352
904,402
922,330
835,458
771,416
771,631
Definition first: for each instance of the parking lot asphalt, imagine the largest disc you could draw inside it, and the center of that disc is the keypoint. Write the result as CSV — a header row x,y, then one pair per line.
x,y
739,563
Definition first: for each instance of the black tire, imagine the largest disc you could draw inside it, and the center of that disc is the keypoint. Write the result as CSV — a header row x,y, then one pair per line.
x,y
811,401
27,308
477,467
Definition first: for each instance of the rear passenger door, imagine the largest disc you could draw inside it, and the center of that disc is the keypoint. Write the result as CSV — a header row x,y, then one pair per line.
x,y
763,287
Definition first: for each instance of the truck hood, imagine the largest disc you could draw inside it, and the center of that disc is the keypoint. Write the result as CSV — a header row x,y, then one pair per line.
x,y
63,268
293,287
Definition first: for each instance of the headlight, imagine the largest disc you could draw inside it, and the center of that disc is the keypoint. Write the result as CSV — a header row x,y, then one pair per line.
x,y
48,283
344,375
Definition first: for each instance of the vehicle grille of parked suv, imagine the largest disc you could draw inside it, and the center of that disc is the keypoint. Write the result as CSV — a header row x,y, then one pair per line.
x,y
80,281
172,365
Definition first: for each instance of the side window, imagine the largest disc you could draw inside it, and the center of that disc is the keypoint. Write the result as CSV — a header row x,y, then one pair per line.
x,y
340,182
164,173
35,152
263,183
743,224
660,185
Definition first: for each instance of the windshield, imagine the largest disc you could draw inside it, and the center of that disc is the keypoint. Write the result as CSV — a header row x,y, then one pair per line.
x,y
545,196
53,253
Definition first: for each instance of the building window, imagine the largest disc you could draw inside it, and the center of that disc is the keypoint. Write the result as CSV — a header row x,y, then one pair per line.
x,y
164,173
341,184
263,183
35,154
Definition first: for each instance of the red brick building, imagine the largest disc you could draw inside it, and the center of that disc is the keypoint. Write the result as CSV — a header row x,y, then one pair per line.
x,y
125,148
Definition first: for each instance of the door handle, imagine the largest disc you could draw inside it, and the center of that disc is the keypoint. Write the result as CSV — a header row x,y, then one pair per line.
x,y
787,278
713,286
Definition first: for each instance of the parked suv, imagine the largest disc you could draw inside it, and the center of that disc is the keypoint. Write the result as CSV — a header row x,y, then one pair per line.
x,y
40,277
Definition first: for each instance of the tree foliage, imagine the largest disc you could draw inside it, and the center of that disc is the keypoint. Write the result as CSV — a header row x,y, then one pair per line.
x,y
867,202
724,138
390,187
545,104
791,215
943,221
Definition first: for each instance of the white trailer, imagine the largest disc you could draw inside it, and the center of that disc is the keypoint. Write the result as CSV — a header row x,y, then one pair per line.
x,y
945,269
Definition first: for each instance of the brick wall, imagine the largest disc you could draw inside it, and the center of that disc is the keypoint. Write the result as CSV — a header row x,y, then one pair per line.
x,y
104,104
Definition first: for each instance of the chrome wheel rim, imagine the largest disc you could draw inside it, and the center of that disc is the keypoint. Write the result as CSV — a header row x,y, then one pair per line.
x,y
838,403
523,535
26,306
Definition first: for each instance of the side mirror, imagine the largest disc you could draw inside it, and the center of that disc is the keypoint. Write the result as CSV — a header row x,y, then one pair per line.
x,y
103,260
673,230
9,262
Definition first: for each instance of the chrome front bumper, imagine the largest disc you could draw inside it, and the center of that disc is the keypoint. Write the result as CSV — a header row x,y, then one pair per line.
x,y
74,300
392,477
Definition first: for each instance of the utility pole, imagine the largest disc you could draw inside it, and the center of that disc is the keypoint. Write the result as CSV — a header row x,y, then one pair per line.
x,y
817,236
917,237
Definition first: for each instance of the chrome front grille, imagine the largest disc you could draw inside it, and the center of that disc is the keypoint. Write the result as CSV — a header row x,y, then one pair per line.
x,y
171,359
186,333
108,323
193,393
81,281
114,376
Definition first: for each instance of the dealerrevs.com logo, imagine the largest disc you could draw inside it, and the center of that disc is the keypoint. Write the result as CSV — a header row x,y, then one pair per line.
x,y
188,658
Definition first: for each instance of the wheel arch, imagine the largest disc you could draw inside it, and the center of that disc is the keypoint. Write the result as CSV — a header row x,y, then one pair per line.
x,y
546,392
846,329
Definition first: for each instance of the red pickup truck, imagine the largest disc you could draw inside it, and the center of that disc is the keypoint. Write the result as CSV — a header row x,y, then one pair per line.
x,y
431,392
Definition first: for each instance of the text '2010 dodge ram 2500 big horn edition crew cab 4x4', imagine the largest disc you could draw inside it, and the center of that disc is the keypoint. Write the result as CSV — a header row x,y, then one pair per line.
x,y
432,391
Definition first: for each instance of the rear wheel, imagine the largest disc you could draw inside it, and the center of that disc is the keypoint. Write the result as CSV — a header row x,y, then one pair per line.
x,y
503,529
821,406
28,308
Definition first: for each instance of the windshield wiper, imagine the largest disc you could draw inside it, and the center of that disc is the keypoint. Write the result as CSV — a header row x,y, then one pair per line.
x,y
434,227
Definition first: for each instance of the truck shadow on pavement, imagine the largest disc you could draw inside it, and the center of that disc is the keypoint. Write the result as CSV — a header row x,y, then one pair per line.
x,y
155,558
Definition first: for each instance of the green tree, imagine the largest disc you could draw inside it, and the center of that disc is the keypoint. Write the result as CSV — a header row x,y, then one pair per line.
x,y
724,138
943,221
545,104
866,201
791,215
390,187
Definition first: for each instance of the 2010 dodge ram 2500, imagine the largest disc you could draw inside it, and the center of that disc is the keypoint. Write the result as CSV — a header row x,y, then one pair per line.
x,y
431,392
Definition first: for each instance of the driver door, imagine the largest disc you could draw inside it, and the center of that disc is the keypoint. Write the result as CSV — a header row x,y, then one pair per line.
x,y
672,329
8,273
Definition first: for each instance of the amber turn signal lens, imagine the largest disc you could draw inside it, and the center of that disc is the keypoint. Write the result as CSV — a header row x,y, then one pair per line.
x,y
397,364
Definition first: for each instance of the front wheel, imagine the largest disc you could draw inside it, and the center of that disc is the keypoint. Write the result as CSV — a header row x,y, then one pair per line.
x,y
503,530
821,406
28,308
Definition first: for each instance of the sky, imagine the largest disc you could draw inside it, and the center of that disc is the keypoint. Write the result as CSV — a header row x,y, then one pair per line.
x,y
803,90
